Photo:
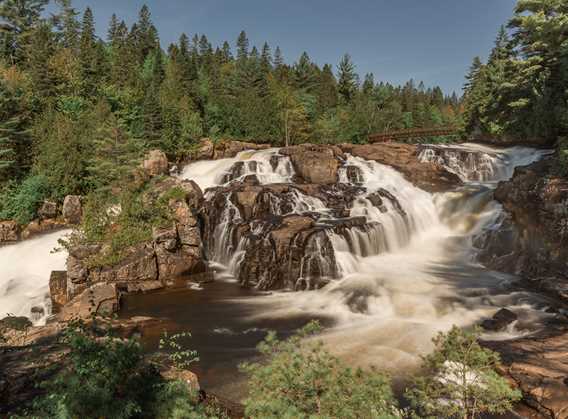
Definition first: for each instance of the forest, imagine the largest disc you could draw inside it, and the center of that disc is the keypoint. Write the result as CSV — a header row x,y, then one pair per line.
x,y
77,111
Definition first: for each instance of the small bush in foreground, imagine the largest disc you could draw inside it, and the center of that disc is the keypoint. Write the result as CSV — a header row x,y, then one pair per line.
x,y
110,378
460,381
301,379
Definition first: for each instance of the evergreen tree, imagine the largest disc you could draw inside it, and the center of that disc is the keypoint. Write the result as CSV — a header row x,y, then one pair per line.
x,y
88,54
242,48
18,18
69,25
347,79
266,59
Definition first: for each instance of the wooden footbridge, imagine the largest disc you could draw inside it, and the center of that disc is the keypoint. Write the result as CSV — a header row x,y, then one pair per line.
x,y
409,134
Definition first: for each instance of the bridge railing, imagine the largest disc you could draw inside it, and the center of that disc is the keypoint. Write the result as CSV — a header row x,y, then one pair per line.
x,y
413,133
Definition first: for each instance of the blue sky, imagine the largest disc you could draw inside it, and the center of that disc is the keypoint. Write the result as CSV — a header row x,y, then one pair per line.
x,y
429,40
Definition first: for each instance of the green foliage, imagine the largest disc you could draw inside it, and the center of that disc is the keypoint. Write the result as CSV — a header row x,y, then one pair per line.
x,y
121,221
460,380
108,377
179,357
20,202
300,379
81,111
563,157
520,91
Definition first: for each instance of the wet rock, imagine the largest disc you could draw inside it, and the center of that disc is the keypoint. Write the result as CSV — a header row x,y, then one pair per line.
x,y
354,175
38,227
48,210
99,299
72,209
227,149
431,177
531,239
9,231
156,163
538,366
499,321
144,287
315,163
58,290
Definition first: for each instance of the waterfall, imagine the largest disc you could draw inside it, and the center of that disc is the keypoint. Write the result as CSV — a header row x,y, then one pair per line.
x,y
25,269
479,163
408,271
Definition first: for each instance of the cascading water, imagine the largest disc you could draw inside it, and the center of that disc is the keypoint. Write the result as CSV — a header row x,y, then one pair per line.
x,y
24,283
409,271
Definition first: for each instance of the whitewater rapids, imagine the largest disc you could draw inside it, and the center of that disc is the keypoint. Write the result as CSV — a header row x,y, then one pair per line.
x,y
25,269
411,278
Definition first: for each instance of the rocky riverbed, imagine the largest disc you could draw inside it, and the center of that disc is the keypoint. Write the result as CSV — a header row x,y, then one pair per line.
x,y
333,223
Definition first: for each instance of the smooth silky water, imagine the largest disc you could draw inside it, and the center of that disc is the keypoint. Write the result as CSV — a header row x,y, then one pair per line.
x,y
402,282
25,269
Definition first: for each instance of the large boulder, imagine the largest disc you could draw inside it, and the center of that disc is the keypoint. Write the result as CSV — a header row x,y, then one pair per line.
x,y
432,177
99,299
9,231
48,210
58,290
72,209
315,163
156,163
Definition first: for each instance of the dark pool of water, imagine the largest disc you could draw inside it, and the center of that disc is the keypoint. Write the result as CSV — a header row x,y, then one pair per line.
x,y
222,326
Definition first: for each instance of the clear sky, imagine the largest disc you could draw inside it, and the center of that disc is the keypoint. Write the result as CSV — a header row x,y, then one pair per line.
x,y
429,40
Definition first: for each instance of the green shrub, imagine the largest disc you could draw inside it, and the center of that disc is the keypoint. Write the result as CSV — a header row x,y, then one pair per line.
x,y
21,202
110,378
459,380
123,221
563,157
300,379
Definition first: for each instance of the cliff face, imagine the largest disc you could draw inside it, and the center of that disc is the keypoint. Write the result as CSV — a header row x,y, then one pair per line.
x,y
532,240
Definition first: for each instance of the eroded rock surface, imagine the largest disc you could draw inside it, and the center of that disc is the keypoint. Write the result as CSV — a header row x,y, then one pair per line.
x,y
532,239
538,366
431,177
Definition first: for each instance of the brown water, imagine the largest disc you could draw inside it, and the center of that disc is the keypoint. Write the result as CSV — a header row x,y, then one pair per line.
x,y
223,324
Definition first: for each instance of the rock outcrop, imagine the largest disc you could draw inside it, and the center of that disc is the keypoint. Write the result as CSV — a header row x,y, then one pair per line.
x,y
431,177
9,231
532,239
315,163
276,236
538,366
223,149
156,163
173,250
72,209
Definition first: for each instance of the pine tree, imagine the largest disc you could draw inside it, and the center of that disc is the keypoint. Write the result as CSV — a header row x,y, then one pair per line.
x,y
18,18
304,73
347,79
278,58
266,59
40,50
70,26
226,50
242,48
88,55
112,35
115,152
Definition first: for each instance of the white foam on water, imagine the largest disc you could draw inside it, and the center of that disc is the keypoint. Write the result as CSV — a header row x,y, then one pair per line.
x,y
25,269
